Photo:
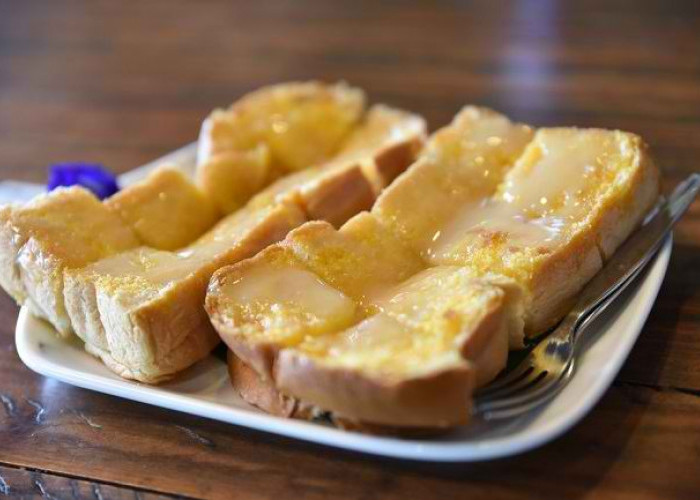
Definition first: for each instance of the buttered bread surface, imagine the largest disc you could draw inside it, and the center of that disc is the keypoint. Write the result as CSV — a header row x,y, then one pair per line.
x,y
397,316
135,295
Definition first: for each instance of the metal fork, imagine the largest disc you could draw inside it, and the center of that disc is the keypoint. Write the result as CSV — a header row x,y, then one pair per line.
x,y
551,362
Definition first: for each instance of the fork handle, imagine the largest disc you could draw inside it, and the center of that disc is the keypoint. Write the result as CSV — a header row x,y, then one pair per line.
x,y
632,256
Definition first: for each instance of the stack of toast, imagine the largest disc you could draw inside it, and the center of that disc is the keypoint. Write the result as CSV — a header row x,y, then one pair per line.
x,y
129,275
397,316
384,302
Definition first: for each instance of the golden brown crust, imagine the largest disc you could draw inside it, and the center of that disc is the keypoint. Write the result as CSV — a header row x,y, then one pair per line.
x,y
263,394
337,197
626,212
441,399
258,391
394,159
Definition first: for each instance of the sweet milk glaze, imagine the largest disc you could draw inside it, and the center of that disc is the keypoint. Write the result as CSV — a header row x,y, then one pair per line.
x,y
491,140
382,346
369,337
461,164
275,294
543,194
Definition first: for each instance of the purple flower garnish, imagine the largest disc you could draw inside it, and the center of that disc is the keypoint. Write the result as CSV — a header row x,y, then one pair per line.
x,y
96,178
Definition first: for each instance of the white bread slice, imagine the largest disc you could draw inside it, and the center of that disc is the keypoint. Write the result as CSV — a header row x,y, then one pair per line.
x,y
569,201
412,364
308,291
165,209
65,229
142,311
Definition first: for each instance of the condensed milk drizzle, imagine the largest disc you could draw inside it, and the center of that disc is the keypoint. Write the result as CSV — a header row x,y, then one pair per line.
x,y
542,195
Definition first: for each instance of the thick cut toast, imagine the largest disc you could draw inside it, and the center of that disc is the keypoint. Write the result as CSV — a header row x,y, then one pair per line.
x,y
70,228
142,311
462,162
569,201
271,132
412,362
64,229
292,127
165,209
510,228
361,258
359,290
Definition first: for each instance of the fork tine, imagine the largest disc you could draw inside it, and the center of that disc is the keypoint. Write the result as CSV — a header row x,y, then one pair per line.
x,y
532,377
525,400
520,371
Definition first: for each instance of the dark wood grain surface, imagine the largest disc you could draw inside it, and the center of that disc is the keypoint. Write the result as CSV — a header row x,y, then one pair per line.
x,y
122,83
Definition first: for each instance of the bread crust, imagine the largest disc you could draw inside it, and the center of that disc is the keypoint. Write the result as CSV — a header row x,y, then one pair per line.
x,y
626,212
441,399
335,198
258,391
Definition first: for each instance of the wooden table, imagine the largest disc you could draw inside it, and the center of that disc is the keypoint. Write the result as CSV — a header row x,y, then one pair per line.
x,y
122,83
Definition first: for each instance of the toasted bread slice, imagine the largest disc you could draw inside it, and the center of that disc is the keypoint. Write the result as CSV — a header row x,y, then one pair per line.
x,y
304,123
387,140
231,178
510,238
382,146
65,229
292,127
165,209
462,162
271,132
569,201
319,280
289,308
142,311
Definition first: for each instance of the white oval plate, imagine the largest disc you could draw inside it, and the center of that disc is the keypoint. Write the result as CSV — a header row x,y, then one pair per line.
x,y
204,389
